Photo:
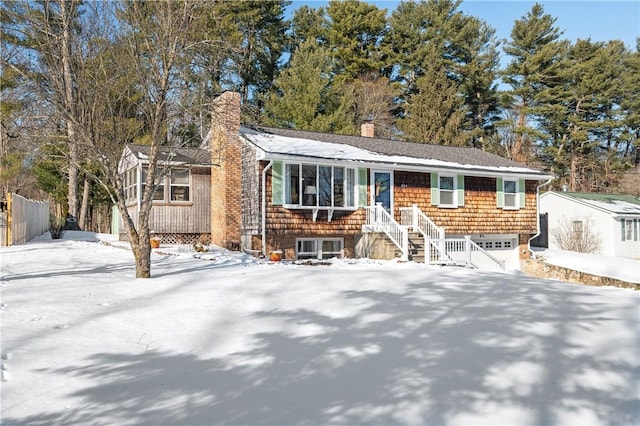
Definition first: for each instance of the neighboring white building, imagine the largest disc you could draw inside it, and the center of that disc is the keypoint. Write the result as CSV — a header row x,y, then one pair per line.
x,y
614,218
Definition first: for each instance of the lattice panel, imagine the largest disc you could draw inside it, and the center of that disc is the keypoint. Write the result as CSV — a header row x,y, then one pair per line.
x,y
177,239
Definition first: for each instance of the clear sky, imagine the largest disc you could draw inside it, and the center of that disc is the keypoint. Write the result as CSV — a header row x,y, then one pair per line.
x,y
599,20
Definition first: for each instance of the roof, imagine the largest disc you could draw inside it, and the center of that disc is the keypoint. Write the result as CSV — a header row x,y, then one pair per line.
x,y
287,143
613,203
191,156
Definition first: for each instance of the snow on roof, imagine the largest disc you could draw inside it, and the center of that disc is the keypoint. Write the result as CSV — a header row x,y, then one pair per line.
x,y
278,146
614,203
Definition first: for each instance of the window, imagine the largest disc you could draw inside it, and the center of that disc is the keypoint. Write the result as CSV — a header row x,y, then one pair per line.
x,y
292,184
309,185
173,188
578,228
630,229
179,185
510,194
447,190
131,184
319,248
496,244
312,185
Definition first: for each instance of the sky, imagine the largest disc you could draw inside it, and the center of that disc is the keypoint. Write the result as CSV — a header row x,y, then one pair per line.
x,y
224,338
598,20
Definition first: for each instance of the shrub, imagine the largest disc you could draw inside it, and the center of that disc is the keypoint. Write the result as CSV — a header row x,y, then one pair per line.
x,y
577,234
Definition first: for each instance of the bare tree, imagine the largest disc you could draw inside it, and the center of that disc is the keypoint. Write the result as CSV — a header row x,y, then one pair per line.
x,y
577,234
120,83
139,75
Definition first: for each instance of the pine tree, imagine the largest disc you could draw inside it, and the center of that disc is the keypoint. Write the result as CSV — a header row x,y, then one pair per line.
x,y
534,71
355,31
301,90
435,30
436,112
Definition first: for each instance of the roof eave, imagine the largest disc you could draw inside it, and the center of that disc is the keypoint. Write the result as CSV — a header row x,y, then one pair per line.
x,y
468,171
584,202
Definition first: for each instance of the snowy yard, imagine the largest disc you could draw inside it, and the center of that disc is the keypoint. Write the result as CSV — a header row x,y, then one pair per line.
x,y
231,340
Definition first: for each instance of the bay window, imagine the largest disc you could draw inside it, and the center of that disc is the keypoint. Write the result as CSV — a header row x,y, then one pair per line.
x,y
312,185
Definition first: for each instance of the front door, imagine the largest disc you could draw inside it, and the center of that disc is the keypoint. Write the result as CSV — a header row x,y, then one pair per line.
x,y
382,189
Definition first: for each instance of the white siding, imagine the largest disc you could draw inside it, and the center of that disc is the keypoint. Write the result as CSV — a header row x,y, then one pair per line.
x,y
607,225
627,248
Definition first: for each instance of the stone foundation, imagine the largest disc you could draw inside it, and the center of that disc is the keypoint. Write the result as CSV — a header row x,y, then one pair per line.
x,y
539,269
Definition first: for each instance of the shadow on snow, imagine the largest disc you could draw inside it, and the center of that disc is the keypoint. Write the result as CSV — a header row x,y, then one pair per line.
x,y
427,354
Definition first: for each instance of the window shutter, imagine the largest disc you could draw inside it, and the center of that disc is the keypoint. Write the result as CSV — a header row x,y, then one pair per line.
x,y
362,187
499,192
522,193
622,229
276,183
460,190
636,222
435,190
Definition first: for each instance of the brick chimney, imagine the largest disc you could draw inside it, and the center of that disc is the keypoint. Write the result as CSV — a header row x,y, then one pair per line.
x,y
367,130
226,160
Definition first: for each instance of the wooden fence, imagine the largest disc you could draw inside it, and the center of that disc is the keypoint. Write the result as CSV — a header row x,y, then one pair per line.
x,y
22,219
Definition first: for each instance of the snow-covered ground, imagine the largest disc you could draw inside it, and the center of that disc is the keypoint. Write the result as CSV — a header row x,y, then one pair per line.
x,y
227,339
615,267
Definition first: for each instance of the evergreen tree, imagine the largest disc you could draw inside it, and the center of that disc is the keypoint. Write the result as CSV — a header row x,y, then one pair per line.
x,y
355,31
262,30
309,24
436,112
534,71
478,71
302,90
434,30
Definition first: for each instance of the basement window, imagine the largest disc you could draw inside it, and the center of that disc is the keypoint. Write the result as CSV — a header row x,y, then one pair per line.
x,y
319,248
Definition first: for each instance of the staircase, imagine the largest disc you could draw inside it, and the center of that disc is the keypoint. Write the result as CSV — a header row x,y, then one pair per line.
x,y
408,239
416,247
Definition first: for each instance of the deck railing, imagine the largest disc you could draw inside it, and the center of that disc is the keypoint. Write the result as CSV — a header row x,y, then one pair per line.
x,y
379,220
461,251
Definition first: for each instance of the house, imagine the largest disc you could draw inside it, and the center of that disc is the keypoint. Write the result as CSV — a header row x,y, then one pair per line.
x,y
613,218
181,203
319,195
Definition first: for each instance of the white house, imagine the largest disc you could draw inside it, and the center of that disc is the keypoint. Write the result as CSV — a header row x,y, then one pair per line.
x,y
614,218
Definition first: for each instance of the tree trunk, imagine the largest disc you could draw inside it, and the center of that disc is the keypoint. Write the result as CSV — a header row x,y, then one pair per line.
x,y
518,153
142,255
66,13
573,183
84,208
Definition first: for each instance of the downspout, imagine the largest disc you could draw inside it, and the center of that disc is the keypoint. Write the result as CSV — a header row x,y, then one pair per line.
x,y
264,207
537,214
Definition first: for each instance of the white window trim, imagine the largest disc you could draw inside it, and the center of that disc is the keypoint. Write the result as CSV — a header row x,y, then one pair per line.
x,y
166,188
169,185
315,208
318,253
454,191
516,199
628,229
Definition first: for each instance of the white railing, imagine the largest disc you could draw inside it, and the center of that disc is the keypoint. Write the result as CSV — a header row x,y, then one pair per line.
x,y
379,220
415,218
461,251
